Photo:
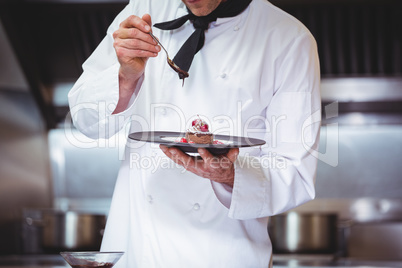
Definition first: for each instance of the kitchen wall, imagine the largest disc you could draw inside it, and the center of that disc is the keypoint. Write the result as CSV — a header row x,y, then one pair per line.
x,y
24,159
26,170
11,76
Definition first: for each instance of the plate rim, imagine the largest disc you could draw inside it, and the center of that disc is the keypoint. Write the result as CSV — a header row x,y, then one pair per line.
x,y
159,133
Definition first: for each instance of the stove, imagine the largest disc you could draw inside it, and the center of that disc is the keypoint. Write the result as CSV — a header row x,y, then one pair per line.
x,y
320,260
33,261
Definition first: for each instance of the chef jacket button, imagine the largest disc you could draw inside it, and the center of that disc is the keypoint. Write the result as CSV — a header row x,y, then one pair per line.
x,y
163,111
150,199
236,28
223,75
196,206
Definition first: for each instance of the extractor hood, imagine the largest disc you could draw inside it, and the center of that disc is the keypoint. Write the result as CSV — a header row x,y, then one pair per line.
x,y
357,41
51,40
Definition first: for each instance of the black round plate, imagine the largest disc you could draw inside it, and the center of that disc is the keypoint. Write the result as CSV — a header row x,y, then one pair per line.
x,y
216,149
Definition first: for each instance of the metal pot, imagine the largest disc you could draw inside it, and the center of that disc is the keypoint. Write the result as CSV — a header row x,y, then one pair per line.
x,y
312,233
70,230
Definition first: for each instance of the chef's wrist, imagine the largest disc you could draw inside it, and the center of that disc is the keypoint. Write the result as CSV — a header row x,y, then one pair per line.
x,y
230,181
128,82
127,86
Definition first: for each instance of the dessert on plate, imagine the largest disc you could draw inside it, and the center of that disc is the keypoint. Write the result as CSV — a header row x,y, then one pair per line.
x,y
199,133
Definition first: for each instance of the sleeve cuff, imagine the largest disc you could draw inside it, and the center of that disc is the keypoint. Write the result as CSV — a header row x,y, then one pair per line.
x,y
249,190
96,102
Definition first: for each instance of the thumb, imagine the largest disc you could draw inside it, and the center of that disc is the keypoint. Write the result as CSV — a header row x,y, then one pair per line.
x,y
147,19
232,154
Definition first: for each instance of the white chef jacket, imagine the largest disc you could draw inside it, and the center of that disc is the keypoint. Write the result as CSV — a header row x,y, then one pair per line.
x,y
258,76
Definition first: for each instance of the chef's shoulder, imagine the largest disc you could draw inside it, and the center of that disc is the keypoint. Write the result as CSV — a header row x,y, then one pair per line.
x,y
276,22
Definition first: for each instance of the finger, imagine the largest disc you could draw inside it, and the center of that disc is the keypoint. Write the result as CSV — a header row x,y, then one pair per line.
x,y
137,22
147,19
166,150
179,157
205,155
182,158
129,54
190,163
135,28
212,162
232,154
136,44
133,34
163,147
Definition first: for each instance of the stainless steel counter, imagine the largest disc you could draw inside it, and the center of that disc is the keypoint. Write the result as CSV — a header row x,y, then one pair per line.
x,y
33,261
321,260
280,261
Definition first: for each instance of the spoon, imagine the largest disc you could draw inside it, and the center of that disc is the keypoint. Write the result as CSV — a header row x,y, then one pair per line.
x,y
182,74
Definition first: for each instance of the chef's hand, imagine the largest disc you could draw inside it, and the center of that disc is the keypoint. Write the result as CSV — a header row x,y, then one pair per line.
x,y
133,46
216,168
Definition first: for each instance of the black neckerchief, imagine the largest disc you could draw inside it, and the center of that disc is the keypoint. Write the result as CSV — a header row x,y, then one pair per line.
x,y
195,42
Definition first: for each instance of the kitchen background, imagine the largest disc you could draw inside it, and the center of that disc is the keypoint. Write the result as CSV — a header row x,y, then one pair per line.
x,y
44,167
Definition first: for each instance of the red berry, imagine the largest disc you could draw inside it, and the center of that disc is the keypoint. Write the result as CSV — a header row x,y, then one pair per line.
x,y
181,140
217,142
196,122
204,128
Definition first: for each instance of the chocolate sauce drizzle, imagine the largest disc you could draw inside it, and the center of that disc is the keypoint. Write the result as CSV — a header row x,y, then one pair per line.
x,y
182,74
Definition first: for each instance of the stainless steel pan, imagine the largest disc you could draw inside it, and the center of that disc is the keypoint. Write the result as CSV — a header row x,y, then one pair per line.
x,y
70,230
304,233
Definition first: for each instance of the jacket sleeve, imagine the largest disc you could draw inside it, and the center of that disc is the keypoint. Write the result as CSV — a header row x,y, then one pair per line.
x,y
95,94
282,176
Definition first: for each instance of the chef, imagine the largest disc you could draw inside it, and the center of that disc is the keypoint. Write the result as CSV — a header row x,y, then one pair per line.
x,y
253,72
